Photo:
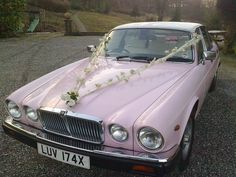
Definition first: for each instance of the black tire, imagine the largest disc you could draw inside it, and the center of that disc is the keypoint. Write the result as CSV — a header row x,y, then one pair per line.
x,y
186,145
213,83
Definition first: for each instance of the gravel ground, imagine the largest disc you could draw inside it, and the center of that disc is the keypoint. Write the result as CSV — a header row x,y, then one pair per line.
x,y
25,59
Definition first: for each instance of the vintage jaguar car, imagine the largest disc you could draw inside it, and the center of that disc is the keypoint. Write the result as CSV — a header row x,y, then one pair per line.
x,y
143,125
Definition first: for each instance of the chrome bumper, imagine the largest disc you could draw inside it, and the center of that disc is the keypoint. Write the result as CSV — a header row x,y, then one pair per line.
x,y
22,132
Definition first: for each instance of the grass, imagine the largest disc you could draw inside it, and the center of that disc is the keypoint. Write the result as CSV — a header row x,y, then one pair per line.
x,y
230,59
96,22
54,21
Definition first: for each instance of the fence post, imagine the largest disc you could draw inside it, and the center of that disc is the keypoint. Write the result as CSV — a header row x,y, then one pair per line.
x,y
68,23
68,26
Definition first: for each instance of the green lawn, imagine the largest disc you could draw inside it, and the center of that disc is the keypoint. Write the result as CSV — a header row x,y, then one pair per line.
x,y
96,22
54,20
229,59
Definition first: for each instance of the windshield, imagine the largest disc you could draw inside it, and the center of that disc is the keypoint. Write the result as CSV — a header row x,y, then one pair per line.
x,y
148,43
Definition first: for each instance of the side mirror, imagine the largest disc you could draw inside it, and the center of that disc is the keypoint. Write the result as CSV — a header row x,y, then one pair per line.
x,y
210,55
91,48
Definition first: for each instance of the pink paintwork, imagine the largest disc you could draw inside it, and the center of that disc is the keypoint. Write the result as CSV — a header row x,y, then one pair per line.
x,y
162,97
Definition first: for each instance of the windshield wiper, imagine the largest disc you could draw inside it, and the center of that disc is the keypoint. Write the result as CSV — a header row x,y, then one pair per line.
x,y
123,56
179,59
134,58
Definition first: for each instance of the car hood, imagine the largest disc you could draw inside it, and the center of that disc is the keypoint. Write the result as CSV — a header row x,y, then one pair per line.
x,y
134,97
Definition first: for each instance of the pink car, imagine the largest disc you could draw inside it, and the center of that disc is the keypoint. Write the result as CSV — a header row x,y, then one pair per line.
x,y
144,124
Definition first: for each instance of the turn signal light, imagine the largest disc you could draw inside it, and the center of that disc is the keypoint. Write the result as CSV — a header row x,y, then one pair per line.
x,y
143,169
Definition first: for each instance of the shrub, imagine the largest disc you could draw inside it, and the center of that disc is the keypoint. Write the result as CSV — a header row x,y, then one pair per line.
x,y
51,5
101,6
150,17
75,4
106,7
212,20
135,12
11,16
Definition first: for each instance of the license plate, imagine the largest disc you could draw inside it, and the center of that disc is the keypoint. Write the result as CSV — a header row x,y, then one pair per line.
x,y
64,156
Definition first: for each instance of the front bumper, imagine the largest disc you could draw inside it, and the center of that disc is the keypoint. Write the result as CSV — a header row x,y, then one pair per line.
x,y
110,158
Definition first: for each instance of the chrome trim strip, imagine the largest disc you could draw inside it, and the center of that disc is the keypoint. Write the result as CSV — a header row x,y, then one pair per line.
x,y
72,142
71,137
72,114
129,156
108,153
9,122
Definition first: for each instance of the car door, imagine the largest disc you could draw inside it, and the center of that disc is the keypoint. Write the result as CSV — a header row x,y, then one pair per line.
x,y
211,65
201,69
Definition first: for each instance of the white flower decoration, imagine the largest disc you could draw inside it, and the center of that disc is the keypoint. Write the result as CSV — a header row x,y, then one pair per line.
x,y
72,98
167,51
87,70
71,103
98,86
93,49
65,97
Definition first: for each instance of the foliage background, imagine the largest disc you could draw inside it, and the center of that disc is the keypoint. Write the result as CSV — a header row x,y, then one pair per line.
x,y
227,10
102,6
11,16
51,5
215,14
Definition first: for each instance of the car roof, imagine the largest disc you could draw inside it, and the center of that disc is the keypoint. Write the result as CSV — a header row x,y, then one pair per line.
x,y
182,26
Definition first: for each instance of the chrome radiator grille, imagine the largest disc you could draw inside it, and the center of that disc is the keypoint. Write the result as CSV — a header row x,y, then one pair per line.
x,y
72,125
72,142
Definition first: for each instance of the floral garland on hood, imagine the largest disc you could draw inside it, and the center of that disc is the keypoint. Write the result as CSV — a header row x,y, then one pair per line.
x,y
73,97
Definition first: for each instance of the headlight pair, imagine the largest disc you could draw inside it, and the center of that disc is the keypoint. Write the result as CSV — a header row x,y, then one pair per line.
x,y
15,112
148,137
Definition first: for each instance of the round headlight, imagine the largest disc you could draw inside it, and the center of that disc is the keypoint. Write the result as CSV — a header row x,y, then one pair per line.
x,y
13,109
150,138
118,133
31,113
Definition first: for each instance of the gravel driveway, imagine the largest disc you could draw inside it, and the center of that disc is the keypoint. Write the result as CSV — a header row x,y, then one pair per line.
x,y
25,59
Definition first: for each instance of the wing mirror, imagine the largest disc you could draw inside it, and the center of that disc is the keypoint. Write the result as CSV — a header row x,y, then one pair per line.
x,y
210,55
91,48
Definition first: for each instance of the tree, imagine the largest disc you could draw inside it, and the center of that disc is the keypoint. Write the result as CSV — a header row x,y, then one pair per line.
x,y
11,16
178,7
177,11
161,8
227,9
194,10
51,5
135,12
102,6
75,4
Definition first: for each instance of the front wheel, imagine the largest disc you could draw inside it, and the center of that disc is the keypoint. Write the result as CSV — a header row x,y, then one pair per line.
x,y
186,145
213,83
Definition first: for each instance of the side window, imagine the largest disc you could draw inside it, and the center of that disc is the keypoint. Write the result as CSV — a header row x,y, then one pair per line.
x,y
200,48
206,38
117,40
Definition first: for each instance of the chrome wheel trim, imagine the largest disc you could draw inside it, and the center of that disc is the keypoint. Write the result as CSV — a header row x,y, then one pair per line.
x,y
187,139
216,76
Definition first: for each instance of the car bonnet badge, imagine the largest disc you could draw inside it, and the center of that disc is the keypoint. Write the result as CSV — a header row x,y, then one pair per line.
x,y
63,113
